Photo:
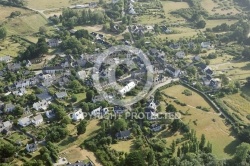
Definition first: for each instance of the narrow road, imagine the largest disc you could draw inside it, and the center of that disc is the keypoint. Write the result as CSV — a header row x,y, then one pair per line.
x,y
161,85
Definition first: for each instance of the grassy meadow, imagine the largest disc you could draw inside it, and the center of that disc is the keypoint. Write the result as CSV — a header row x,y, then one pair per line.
x,y
208,123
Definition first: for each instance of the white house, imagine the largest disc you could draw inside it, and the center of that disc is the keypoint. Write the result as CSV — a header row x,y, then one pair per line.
x,y
152,105
78,115
206,45
31,147
81,74
61,95
5,59
54,42
50,114
41,105
24,121
37,120
99,112
180,54
5,125
127,88
173,71
9,107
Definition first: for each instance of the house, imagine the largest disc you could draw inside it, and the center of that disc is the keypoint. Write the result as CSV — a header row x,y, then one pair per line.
x,y
127,88
50,114
9,107
97,98
165,29
174,72
152,105
78,115
119,109
149,28
137,29
209,71
44,96
206,80
206,45
215,83
19,92
80,163
155,127
31,147
6,59
196,58
24,121
99,112
175,45
14,66
81,74
180,54
61,95
131,11
37,120
52,70
54,42
41,105
123,134
7,125
151,114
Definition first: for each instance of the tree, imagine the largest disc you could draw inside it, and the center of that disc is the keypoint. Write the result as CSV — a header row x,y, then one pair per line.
x,y
120,124
89,95
134,159
201,24
202,143
242,154
171,108
42,30
245,52
56,134
173,146
85,107
6,150
3,33
81,127
224,79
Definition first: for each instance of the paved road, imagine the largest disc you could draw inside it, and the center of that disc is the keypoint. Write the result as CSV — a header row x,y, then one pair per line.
x,y
161,85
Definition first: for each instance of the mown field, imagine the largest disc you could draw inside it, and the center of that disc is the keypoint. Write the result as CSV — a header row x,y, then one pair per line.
x,y
6,11
124,146
208,123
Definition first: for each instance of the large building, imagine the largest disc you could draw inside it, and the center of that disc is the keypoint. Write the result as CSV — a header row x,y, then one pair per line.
x,y
127,88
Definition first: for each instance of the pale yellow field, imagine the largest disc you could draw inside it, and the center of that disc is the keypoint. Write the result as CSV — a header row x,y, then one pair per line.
x,y
170,6
213,7
6,11
208,123
48,4
238,103
124,146
213,23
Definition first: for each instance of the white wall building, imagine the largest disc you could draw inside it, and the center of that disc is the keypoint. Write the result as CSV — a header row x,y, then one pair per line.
x,y
78,115
127,88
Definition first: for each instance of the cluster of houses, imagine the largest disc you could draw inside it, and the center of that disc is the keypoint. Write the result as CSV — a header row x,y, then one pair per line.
x,y
26,121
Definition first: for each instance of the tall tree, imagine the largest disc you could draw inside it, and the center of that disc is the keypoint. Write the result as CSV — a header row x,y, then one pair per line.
x,y
3,33
81,127
202,143
134,158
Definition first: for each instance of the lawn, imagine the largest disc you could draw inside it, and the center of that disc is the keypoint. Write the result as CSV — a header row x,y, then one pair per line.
x,y
219,7
214,23
181,32
124,146
208,123
25,25
238,105
239,70
6,11
8,47
73,139
48,4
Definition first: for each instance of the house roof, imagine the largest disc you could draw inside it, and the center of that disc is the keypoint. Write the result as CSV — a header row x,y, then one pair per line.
x,y
202,66
53,68
38,118
7,124
81,164
61,94
125,133
24,120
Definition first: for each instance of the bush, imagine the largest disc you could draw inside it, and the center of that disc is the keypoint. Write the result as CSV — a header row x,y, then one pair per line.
x,y
187,92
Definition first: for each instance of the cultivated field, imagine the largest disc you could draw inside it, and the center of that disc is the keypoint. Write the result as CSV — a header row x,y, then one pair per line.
x,y
219,7
208,123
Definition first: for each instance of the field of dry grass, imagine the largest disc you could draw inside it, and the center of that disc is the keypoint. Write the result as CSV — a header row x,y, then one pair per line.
x,y
213,23
220,7
6,11
170,6
208,123
124,146
8,47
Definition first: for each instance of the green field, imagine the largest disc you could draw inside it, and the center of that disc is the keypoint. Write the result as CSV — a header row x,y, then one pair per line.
x,y
238,105
26,25
6,11
219,7
208,123
124,146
